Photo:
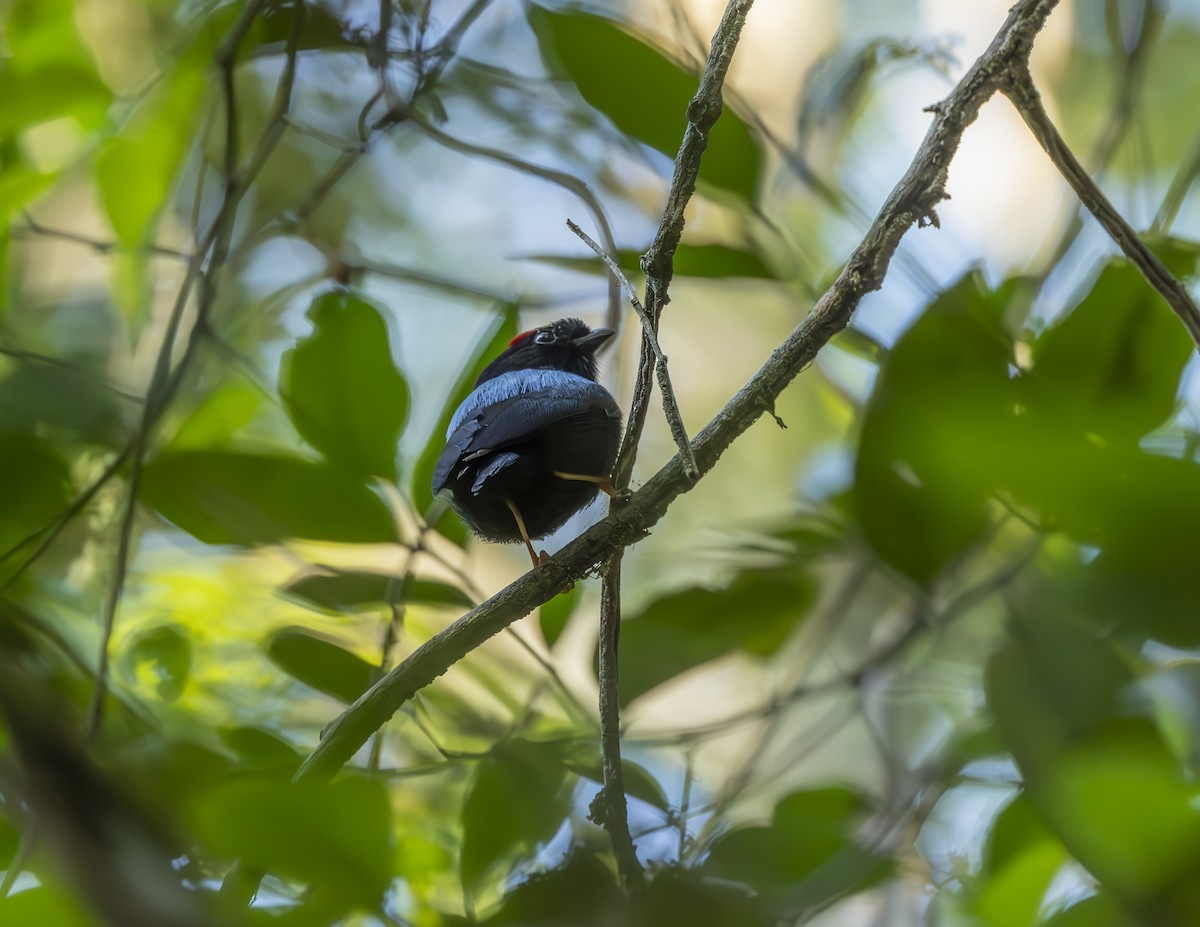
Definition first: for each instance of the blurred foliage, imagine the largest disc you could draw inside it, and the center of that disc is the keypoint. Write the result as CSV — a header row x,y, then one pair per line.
x,y
954,678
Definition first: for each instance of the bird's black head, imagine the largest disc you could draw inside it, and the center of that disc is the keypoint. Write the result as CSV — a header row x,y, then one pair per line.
x,y
567,345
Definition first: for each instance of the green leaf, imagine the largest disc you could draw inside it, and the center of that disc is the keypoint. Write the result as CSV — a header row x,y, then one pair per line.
x,y
223,497
342,389
806,859
1174,692
10,841
336,837
676,897
350,590
1149,522
1122,806
1100,910
756,613
71,398
515,802
321,29
852,868
644,93
1112,366
137,168
502,331
1022,859
43,904
1181,256
1105,783
164,654
261,749
554,615
165,772
720,261
806,829
638,781
220,416
321,662
582,884
50,92
19,185
34,481
46,72
1042,702
934,432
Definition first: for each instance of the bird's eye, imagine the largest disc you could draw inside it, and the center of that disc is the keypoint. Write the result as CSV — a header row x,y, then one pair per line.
x,y
543,338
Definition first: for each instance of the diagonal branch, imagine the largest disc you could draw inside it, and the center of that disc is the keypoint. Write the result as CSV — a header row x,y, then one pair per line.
x,y
912,202
1021,91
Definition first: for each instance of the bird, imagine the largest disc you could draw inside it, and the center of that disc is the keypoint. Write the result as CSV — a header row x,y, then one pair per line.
x,y
535,440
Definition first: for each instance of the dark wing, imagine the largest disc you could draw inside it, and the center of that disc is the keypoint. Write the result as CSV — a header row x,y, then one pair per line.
x,y
513,421
456,446
498,462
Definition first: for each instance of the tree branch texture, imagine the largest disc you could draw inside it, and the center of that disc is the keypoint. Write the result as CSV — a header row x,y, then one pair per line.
x,y
1025,97
911,202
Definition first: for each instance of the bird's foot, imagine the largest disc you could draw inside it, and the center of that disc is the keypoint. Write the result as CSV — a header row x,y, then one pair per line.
x,y
605,484
544,558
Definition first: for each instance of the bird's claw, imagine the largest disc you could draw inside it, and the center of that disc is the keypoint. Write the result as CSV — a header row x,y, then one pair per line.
x,y
543,559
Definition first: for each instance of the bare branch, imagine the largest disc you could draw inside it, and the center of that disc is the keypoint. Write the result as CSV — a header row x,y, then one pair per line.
x,y
609,808
1021,91
33,228
1177,191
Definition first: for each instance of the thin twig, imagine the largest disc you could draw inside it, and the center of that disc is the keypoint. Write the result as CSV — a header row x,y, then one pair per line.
x,y
42,538
1177,191
670,403
685,803
443,52
1020,89
393,596
34,357
398,113
1131,65
609,807
33,228
658,261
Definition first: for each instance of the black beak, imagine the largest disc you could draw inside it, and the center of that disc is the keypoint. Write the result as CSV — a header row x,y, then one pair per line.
x,y
592,341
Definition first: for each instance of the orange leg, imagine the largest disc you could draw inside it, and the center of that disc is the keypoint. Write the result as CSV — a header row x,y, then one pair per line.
x,y
602,481
537,559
